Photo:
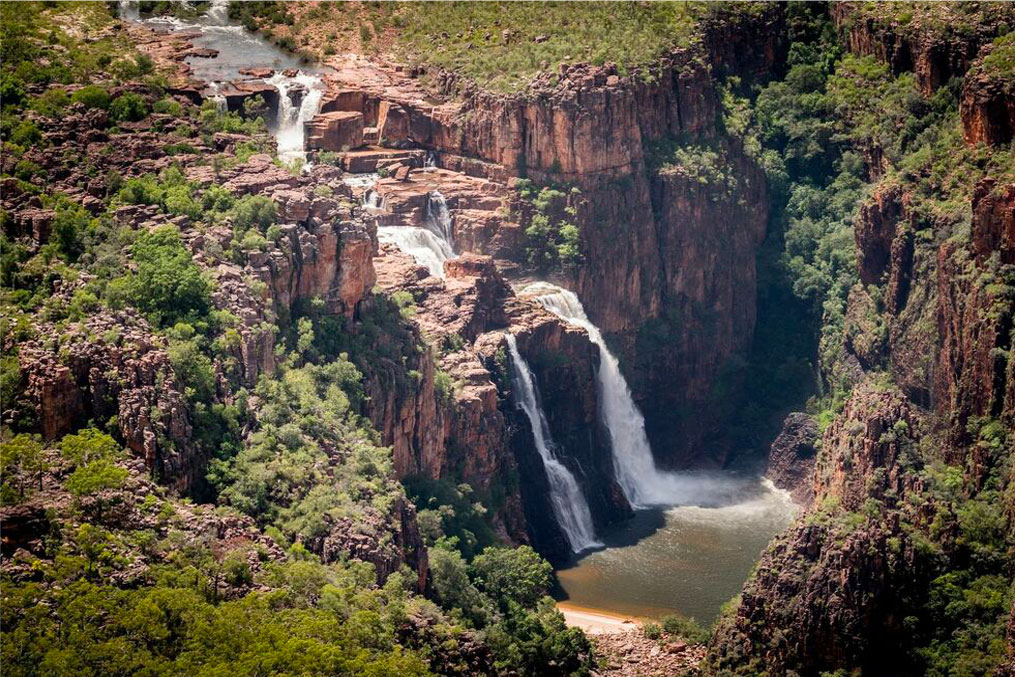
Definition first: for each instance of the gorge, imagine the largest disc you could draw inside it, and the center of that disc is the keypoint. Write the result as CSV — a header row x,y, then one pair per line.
x,y
394,338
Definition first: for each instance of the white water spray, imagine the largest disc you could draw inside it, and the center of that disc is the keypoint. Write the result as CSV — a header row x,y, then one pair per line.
x,y
566,498
290,118
218,12
130,10
438,219
426,248
643,483
221,105
429,246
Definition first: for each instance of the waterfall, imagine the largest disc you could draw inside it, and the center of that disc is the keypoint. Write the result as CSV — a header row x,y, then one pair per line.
x,y
566,498
130,10
218,12
642,482
438,219
372,199
430,162
221,105
431,245
426,248
290,118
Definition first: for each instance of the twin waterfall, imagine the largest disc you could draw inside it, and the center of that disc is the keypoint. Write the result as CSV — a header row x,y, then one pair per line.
x,y
569,505
644,485
429,246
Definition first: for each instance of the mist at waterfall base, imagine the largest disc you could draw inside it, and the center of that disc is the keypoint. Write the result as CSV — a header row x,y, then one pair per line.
x,y
695,536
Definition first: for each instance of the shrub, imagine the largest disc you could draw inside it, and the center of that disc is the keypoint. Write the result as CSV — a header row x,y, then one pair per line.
x,y
51,103
687,628
178,201
652,630
129,107
26,134
92,96
168,106
254,211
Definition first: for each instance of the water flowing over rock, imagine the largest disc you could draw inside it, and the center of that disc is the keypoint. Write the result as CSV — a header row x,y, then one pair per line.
x,y
292,115
642,482
569,505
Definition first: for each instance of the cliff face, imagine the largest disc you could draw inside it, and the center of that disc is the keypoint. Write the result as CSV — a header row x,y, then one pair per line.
x,y
654,275
976,322
833,590
936,43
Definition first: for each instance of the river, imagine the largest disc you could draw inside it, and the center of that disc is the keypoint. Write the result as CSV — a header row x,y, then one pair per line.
x,y
694,539
687,560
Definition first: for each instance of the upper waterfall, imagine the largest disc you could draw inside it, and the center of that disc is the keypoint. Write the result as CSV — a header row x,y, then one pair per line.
x,y
566,497
291,118
429,246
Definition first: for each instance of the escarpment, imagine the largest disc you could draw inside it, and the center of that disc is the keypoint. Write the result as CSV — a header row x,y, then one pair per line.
x,y
648,274
936,43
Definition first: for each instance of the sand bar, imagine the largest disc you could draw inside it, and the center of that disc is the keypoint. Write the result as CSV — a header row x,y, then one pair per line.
x,y
596,621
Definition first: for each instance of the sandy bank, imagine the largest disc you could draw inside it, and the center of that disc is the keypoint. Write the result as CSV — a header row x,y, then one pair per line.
x,y
595,621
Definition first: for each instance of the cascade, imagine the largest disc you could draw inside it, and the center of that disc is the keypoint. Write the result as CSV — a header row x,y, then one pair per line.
x,y
431,245
218,12
426,248
430,163
290,118
438,219
130,10
566,498
221,105
633,464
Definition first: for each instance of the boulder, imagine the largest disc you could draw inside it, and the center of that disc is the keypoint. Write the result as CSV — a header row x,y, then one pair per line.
x,y
335,131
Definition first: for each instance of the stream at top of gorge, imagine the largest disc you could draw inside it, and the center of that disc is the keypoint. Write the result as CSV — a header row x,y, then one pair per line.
x,y
298,84
694,537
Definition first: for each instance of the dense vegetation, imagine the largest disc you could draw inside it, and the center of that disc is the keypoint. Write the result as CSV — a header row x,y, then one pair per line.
x,y
832,131
501,46
263,568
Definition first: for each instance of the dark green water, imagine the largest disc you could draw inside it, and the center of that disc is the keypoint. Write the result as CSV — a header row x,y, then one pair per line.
x,y
688,560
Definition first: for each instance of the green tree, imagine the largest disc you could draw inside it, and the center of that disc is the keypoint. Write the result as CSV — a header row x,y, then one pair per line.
x,y
88,445
509,575
94,477
167,286
22,462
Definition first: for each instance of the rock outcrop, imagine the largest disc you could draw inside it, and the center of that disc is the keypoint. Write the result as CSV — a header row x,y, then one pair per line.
x,y
831,592
792,455
112,366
